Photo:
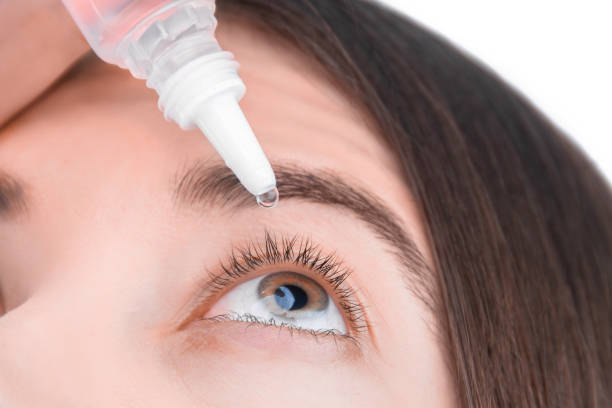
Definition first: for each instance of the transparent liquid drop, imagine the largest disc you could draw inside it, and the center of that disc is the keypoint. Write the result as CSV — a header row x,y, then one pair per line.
x,y
269,199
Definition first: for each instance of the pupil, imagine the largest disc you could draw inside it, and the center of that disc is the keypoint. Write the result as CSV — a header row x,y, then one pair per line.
x,y
290,297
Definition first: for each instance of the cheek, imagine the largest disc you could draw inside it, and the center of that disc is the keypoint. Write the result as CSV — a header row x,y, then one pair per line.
x,y
225,374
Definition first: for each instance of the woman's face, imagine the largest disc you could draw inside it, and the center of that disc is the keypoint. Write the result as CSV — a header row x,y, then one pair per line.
x,y
126,278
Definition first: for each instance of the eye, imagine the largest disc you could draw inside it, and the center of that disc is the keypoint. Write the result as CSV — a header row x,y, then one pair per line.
x,y
317,300
282,298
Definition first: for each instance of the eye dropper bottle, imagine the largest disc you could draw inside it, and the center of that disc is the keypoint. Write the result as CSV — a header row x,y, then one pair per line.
x,y
172,45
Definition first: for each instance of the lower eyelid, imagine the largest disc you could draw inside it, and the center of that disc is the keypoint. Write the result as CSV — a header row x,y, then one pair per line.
x,y
227,336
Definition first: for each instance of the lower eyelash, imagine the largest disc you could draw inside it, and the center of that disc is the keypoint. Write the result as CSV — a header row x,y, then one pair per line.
x,y
254,320
298,251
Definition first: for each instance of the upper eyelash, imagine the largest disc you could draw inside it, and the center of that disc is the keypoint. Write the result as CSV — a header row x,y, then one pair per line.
x,y
299,251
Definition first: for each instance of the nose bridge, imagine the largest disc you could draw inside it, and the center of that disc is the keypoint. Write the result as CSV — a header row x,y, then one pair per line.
x,y
47,334
115,281
87,325
59,350
82,326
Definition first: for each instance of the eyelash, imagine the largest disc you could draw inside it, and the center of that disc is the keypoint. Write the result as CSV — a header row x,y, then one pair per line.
x,y
298,251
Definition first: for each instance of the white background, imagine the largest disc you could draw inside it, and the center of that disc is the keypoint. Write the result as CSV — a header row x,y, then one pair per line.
x,y
557,53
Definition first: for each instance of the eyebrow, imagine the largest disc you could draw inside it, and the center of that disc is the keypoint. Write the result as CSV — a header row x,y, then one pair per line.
x,y
12,196
201,184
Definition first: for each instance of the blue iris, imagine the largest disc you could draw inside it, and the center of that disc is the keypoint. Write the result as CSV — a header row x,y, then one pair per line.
x,y
290,297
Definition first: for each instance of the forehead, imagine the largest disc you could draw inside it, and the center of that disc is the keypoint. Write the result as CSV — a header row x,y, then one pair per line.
x,y
291,103
99,135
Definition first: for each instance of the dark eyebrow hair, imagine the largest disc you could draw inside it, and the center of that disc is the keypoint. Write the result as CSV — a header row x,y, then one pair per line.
x,y
12,196
202,184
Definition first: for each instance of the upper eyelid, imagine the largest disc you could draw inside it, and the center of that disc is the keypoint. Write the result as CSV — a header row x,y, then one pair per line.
x,y
202,183
299,251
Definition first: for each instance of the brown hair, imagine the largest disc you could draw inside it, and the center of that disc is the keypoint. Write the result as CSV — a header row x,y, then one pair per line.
x,y
518,219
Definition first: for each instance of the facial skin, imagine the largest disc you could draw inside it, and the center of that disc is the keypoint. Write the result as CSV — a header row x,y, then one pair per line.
x,y
102,267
